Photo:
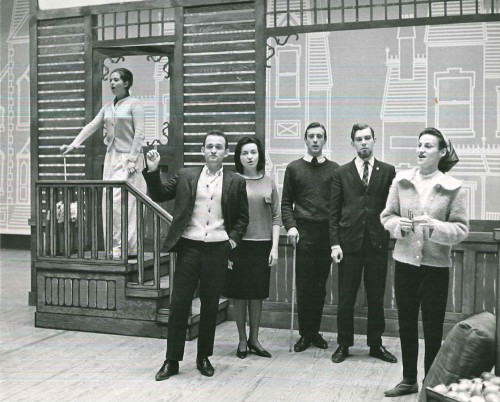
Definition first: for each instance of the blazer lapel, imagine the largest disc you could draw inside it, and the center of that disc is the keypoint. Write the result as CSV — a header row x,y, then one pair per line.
x,y
227,179
354,171
195,176
375,172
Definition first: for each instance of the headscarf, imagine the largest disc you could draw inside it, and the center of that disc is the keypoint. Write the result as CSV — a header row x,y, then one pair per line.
x,y
450,159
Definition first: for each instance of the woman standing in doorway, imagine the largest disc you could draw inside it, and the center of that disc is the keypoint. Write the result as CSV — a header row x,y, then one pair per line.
x,y
427,213
123,120
247,283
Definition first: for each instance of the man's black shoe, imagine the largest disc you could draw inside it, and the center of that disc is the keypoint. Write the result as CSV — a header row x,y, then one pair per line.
x,y
302,344
167,370
203,364
340,354
318,341
383,354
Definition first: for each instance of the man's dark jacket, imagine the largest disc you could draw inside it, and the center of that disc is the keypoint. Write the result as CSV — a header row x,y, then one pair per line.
x,y
183,186
353,209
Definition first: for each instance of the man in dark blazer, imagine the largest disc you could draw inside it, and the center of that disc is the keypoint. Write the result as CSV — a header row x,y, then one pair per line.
x,y
359,241
210,218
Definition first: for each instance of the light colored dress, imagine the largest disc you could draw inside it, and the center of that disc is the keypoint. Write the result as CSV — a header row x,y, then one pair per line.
x,y
124,125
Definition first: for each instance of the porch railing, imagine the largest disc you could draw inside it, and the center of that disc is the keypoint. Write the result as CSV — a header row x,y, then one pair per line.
x,y
74,225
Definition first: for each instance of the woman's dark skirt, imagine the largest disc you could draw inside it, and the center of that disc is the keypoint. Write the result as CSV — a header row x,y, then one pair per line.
x,y
249,279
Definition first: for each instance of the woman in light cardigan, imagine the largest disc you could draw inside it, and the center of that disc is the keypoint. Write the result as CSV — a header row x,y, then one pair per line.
x,y
123,120
426,212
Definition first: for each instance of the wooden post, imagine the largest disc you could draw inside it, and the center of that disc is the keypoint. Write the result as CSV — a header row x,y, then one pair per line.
x,y
496,237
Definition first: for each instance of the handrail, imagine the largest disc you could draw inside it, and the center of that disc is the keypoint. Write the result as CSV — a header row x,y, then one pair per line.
x,y
67,225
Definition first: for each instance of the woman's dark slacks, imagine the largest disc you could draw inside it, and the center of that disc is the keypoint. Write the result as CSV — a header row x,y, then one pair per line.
x,y
416,288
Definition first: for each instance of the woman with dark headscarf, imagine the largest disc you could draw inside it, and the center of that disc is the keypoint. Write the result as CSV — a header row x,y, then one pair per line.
x,y
247,283
427,213
123,120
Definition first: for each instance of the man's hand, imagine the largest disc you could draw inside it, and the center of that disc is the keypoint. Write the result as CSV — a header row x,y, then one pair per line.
x,y
153,160
293,236
66,149
337,254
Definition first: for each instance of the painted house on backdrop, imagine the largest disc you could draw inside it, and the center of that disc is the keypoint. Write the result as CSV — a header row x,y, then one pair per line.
x,y
457,94
15,125
299,91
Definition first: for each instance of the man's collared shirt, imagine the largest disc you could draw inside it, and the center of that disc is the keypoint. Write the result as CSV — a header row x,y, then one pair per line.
x,y
207,222
308,158
360,165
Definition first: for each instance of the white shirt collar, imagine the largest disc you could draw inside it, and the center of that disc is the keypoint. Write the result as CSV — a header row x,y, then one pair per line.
x,y
308,158
360,162
208,173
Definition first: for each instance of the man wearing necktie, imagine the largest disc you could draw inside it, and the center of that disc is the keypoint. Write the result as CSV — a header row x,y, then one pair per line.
x,y
304,211
359,243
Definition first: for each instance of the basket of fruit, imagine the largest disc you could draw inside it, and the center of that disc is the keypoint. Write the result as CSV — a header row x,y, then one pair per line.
x,y
481,389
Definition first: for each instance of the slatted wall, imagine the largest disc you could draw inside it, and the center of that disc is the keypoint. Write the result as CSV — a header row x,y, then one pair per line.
x,y
61,96
219,75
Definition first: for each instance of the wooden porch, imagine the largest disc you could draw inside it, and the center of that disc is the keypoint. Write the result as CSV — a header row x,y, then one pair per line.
x,y
40,364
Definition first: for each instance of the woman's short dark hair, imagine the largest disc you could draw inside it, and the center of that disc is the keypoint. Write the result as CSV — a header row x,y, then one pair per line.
x,y
125,74
237,153
449,159
360,126
314,125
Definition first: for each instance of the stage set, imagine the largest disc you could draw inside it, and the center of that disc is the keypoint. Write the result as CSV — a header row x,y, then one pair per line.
x,y
265,69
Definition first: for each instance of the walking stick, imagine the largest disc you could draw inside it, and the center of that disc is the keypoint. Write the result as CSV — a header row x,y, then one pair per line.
x,y
294,258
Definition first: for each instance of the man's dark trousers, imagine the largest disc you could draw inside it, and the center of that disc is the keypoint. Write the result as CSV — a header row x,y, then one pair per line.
x,y
372,265
312,270
206,264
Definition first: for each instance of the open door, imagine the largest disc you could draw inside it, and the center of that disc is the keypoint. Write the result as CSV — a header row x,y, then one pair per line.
x,y
151,67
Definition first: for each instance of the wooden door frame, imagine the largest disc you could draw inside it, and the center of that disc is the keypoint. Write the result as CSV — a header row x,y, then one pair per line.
x,y
173,159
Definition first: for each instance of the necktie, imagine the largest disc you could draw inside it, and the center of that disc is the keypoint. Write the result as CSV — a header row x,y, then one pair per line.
x,y
365,175
314,161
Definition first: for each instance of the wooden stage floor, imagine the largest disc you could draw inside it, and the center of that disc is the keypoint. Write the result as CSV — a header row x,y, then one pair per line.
x,y
51,365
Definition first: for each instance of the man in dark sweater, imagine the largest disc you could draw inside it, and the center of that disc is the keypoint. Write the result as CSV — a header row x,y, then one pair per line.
x,y
304,211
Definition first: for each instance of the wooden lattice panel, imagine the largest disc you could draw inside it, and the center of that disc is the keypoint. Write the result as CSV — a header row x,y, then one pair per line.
x,y
61,96
219,75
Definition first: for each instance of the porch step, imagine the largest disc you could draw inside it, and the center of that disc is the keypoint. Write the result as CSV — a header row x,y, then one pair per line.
x,y
194,320
135,290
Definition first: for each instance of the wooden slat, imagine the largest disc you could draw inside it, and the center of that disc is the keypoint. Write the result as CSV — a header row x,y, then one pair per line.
x,y
50,66
217,37
229,128
55,50
60,123
60,58
217,8
216,68
219,98
61,95
219,108
222,27
221,16
61,76
50,113
63,30
60,85
58,103
60,39
229,77
219,57
216,88
62,21
206,118
204,47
